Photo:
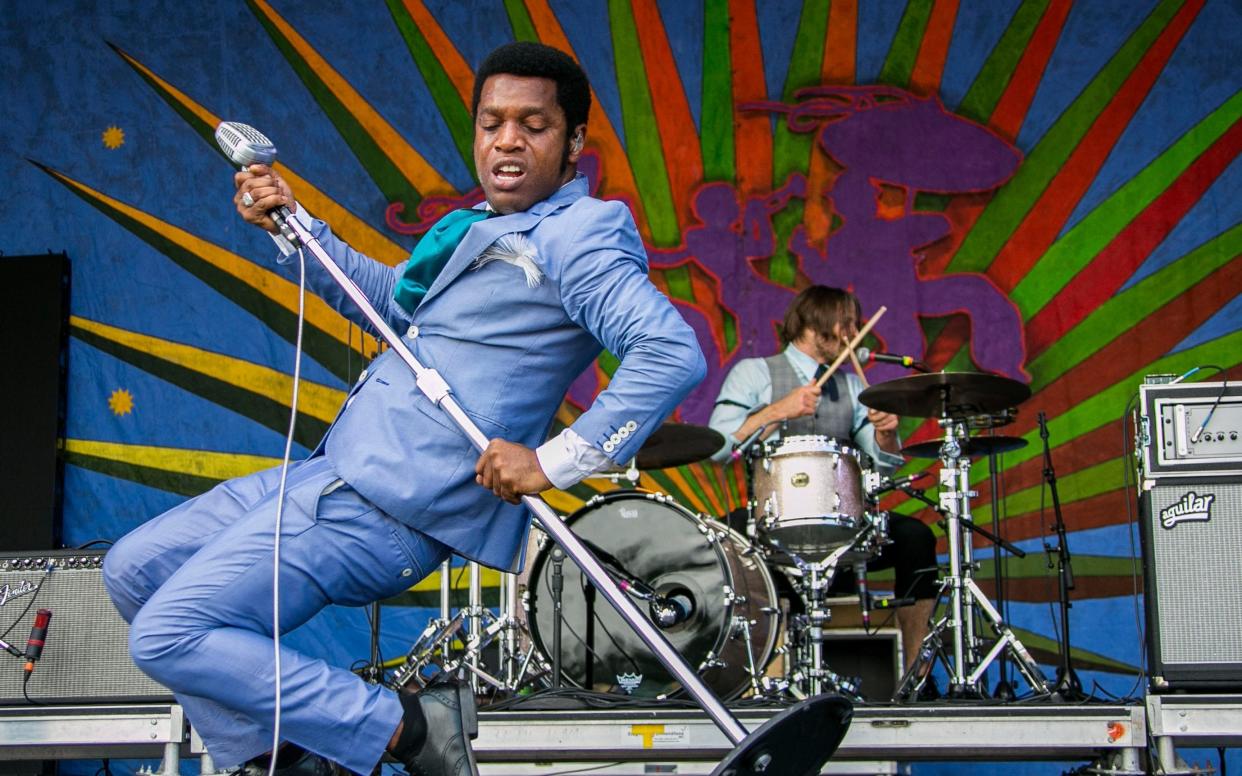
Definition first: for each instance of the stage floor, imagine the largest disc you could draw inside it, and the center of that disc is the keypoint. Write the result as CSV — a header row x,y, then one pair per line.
x,y
673,740
534,741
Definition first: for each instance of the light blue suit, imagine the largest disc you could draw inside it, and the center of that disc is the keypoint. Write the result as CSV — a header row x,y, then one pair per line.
x,y
510,353
195,583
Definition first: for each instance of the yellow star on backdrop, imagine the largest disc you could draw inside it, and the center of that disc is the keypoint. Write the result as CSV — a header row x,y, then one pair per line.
x,y
121,402
113,137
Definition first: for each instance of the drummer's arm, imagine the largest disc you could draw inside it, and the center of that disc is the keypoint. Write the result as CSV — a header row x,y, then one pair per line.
x,y
875,431
798,402
743,406
885,425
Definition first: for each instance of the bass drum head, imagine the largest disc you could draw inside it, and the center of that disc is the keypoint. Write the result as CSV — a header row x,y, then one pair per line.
x,y
677,553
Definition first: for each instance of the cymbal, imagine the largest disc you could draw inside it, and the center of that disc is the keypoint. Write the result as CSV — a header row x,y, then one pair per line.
x,y
972,448
677,444
945,394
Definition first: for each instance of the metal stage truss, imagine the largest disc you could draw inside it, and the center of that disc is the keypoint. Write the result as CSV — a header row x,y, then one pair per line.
x,y
682,741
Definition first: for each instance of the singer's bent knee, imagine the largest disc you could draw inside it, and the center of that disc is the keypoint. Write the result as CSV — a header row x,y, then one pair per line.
x,y
120,578
156,640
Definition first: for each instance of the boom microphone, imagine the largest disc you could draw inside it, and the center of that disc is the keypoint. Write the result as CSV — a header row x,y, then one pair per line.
x,y
868,356
668,611
887,484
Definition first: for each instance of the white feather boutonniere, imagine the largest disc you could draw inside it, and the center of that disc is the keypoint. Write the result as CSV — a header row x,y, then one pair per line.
x,y
516,250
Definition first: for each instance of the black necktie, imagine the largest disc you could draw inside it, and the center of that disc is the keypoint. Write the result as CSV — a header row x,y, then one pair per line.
x,y
830,386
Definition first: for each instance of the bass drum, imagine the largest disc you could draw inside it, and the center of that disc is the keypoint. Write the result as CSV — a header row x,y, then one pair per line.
x,y
732,628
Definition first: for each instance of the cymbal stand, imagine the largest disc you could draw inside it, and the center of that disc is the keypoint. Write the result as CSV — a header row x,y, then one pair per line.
x,y
1004,690
966,599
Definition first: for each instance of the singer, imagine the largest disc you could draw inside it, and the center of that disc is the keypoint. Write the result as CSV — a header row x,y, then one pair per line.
x,y
818,324
509,301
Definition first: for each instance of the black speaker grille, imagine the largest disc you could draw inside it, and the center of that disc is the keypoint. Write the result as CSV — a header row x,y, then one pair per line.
x,y
86,659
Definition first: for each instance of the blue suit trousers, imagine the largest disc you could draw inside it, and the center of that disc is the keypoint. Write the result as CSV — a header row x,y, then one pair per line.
x,y
196,586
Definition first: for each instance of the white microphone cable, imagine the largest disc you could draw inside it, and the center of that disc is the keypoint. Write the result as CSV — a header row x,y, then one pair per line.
x,y
280,504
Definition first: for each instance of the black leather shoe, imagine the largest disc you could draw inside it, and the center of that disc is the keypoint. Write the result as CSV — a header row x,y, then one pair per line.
x,y
452,721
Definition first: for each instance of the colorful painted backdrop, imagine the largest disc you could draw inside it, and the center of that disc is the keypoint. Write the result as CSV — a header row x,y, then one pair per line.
x,y
1040,188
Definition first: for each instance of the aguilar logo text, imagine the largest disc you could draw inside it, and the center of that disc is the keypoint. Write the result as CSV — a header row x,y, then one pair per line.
x,y
1189,508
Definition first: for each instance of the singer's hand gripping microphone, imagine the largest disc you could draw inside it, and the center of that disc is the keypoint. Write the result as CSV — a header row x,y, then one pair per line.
x,y
244,145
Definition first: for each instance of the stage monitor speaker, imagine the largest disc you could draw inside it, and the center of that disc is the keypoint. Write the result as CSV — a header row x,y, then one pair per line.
x,y
34,336
86,657
1192,546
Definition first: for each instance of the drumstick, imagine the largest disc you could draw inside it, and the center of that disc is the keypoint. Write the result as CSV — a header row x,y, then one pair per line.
x,y
858,368
852,344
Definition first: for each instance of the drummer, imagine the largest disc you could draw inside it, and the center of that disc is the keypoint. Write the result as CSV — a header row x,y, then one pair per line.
x,y
819,323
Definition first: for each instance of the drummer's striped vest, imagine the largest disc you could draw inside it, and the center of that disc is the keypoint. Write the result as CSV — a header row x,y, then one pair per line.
x,y
833,419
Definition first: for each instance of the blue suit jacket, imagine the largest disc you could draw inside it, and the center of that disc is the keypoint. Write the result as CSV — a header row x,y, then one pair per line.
x,y
509,352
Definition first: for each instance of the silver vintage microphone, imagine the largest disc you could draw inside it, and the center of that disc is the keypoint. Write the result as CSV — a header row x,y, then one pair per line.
x,y
244,145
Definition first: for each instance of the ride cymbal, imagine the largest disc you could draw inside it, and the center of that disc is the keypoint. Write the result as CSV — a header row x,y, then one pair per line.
x,y
945,394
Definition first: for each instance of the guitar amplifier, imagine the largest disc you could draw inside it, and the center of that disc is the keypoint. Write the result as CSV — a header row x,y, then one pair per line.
x,y
86,656
1191,504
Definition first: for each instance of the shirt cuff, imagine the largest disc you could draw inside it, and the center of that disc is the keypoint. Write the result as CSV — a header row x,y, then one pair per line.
x,y
287,249
567,458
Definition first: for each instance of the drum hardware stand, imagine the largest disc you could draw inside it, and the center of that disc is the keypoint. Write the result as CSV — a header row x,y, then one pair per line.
x,y
811,668
373,671
1068,687
1004,690
474,620
778,746
558,614
630,473
482,628
966,668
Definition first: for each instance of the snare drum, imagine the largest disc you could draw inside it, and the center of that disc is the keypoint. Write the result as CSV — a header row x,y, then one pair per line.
x,y
809,497
734,622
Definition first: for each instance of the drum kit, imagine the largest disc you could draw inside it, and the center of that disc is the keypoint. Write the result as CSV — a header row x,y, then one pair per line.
x,y
713,590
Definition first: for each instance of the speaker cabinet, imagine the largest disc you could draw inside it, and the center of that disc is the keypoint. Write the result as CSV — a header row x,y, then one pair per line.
x,y
86,657
34,336
1192,531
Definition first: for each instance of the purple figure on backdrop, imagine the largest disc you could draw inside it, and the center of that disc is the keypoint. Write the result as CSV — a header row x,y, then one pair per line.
x,y
882,135
726,243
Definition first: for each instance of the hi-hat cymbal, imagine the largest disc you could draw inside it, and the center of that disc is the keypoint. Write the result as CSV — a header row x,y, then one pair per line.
x,y
677,444
972,448
945,394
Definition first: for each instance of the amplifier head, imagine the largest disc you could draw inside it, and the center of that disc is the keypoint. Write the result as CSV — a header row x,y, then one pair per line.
x,y
1190,430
